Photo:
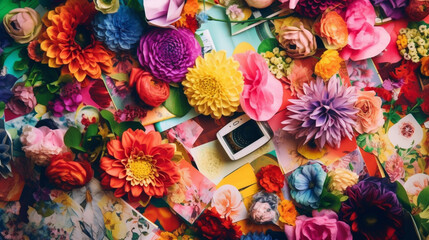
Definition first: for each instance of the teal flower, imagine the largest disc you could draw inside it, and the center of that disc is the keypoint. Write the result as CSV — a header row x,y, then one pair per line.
x,y
306,184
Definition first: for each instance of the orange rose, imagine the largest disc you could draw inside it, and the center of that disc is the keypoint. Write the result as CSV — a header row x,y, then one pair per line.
x,y
328,65
151,90
333,30
67,174
370,115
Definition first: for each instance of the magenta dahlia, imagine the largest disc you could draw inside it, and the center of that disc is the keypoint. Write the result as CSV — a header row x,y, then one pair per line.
x,y
313,8
324,113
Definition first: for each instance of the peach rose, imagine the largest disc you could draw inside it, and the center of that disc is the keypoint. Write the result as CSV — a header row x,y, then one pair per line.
x,y
333,30
151,90
228,202
23,24
297,41
370,115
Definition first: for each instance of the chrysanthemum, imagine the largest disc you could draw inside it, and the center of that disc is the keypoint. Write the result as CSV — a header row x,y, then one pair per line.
x,y
68,41
324,113
139,165
119,31
214,85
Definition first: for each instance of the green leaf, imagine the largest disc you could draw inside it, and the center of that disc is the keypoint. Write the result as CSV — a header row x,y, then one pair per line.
x,y
122,77
420,116
110,118
20,65
402,196
177,103
43,95
200,41
329,201
92,130
78,148
124,126
109,234
395,118
267,45
73,138
2,107
423,198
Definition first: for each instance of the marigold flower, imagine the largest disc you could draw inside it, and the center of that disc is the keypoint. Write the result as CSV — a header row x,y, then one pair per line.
x,y
328,65
287,212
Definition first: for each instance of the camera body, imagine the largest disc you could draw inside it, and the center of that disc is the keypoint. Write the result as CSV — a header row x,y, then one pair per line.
x,y
243,135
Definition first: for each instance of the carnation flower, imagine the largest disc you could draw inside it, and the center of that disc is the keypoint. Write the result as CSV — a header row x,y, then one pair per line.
x,y
372,210
139,165
212,226
168,53
313,8
324,113
23,100
271,178
23,24
5,154
328,65
341,179
214,85
119,31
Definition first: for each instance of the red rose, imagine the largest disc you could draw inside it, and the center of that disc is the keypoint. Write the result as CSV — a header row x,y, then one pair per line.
x,y
212,226
67,174
271,178
151,90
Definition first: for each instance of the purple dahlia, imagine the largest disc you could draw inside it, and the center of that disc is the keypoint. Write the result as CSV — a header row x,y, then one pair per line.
x,y
324,113
372,210
168,53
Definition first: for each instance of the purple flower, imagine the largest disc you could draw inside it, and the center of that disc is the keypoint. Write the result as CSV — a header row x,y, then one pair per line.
x,y
5,39
6,83
372,210
23,101
324,113
394,9
71,97
168,53
390,85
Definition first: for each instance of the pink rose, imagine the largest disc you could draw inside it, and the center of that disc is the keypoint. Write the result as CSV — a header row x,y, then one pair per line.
x,y
297,41
323,225
162,13
23,100
365,40
262,93
370,115
395,167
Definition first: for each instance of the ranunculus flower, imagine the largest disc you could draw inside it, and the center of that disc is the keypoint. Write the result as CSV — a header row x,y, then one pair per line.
x,y
168,53
271,178
151,90
68,174
259,3
262,93
23,100
323,225
162,13
297,40
342,178
370,115
229,203
23,24
212,226
41,144
328,65
333,30
107,6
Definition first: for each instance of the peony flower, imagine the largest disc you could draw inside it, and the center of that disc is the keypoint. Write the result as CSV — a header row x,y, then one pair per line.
x,y
214,85
68,174
6,83
262,93
306,184
139,165
271,178
150,90
370,116
341,179
119,31
365,40
23,24
297,41
212,226
259,3
394,167
168,53
23,101
394,9
333,30
162,13
324,113
287,212
228,202
73,46
107,6
41,144
372,210
5,154
323,225
313,8
329,64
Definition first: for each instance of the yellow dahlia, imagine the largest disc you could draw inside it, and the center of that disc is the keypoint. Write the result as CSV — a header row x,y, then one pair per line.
x,y
68,41
214,85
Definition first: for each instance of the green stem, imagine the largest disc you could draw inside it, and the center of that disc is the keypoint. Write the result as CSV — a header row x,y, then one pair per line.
x,y
250,20
386,124
415,106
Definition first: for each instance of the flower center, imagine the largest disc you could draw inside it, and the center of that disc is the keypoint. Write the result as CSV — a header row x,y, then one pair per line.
x,y
83,36
208,86
141,169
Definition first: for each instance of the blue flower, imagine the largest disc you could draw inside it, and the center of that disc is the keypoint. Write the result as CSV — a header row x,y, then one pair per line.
x,y
256,236
5,154
119,31
202,17
6,83
306,184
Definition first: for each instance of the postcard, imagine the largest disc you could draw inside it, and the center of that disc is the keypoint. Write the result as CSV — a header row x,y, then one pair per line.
x,y
186,133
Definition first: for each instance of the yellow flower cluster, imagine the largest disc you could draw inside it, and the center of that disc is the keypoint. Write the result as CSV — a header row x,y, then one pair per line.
x,y
401,42
413,44
279,63
328,65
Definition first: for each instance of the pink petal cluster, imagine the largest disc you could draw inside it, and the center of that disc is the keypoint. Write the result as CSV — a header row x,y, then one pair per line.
x,y
262,93
23,100
162,13
395,168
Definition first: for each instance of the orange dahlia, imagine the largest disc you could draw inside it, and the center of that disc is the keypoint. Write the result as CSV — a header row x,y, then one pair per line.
x,y
140,165
68,41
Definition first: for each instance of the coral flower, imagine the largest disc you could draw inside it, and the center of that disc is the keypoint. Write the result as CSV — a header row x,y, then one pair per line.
x,y
140,165
68,41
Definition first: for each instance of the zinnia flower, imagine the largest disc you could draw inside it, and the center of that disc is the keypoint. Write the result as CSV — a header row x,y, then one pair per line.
x,y
271,178
306,184
152,91
214,85
119,31
23,24
139,165
212,226
328,65
324,113
5,154
372,211
168,53
313,8
68,41
23,100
